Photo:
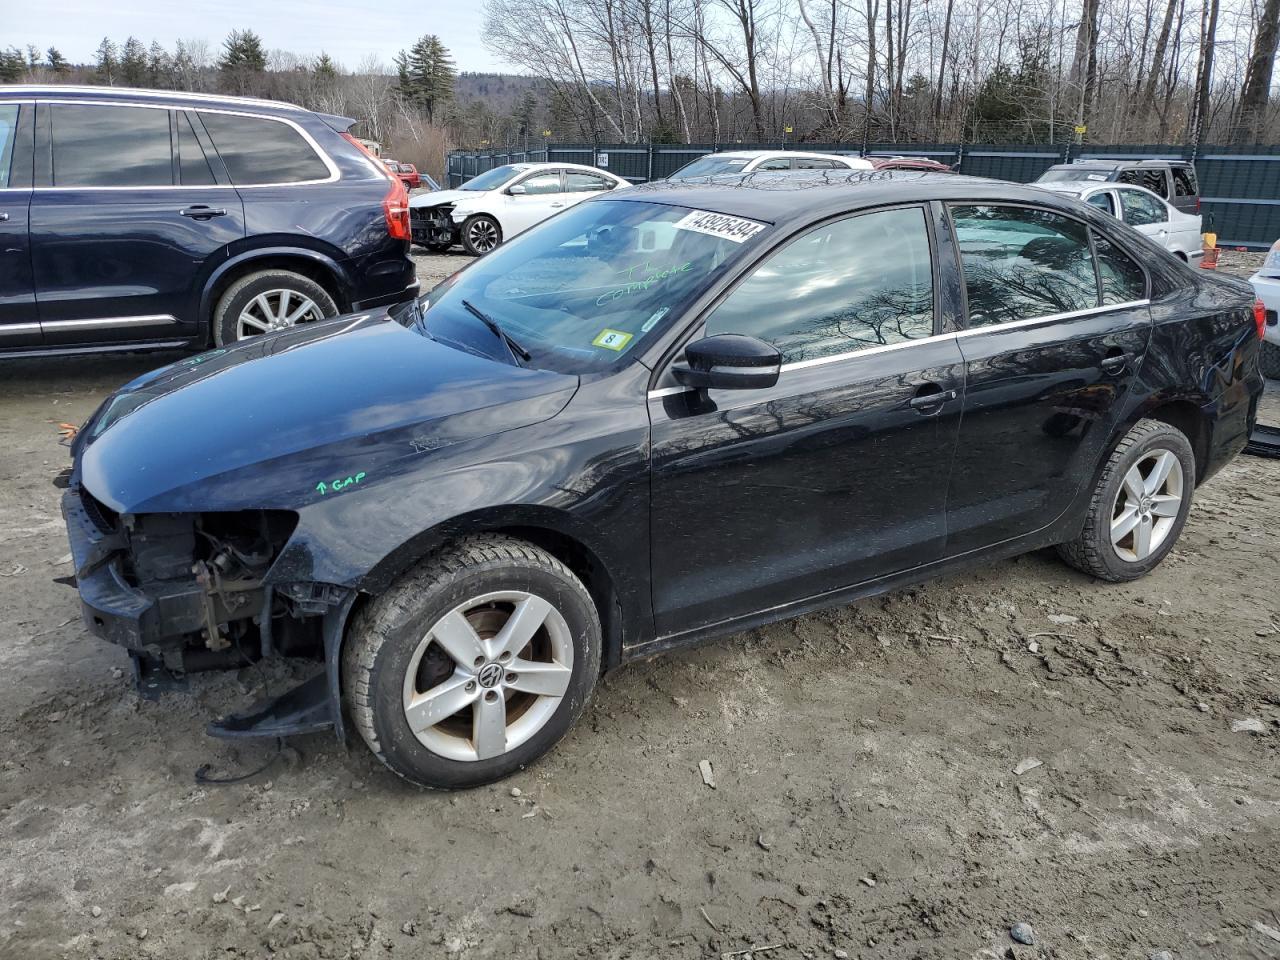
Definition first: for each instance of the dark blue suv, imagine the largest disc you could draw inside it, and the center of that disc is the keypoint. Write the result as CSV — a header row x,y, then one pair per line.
x,y
133,219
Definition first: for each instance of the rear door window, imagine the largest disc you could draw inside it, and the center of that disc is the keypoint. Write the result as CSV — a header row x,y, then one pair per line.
x,y
1021,262
576,181
259,151
862,282
193,165
1141,209
1156,180
817,163
108,146
775,163
1121,279
1184,182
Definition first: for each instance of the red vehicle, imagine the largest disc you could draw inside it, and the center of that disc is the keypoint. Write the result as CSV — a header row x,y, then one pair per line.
x,y
909,163
407,173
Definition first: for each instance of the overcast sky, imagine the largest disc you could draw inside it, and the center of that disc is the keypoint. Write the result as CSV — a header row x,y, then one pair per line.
x,y
348,30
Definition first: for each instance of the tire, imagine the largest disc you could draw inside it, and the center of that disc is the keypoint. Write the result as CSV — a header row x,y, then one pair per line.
x,y
395,661
1269,361
1127,558
480,234
240,302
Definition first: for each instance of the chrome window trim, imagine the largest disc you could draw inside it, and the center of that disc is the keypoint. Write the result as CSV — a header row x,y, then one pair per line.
x,y
149,320
1053,317
334,173
956,335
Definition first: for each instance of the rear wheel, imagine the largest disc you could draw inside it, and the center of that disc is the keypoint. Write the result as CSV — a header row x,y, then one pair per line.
x,y
474,665
266,301
480,234
1139,505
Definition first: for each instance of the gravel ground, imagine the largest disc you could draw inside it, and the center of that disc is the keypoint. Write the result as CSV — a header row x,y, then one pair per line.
x,y
865,758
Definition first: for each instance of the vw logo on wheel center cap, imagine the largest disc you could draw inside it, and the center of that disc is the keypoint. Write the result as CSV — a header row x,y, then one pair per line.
x,y
489,676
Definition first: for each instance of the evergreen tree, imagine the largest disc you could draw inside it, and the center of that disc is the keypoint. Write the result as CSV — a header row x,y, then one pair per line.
x,y
13,64
183,68
106,61
159,66
133,63
324,67
33,56
242,52
57,62
426,74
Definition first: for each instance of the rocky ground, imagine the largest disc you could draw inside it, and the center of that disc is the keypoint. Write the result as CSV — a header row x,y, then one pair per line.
x,y
906,777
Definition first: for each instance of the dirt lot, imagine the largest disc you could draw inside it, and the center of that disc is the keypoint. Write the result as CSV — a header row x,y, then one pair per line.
x,y
865,798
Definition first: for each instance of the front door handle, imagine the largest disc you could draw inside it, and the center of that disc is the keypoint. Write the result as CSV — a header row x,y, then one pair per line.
x,y
201,212
933,400
3,217
1114,363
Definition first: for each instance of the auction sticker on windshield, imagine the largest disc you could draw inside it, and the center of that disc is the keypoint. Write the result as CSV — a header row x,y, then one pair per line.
x,y
737,229
611,339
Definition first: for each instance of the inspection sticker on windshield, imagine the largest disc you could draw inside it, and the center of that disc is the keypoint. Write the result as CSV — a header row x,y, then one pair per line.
x,y
611,339
737,229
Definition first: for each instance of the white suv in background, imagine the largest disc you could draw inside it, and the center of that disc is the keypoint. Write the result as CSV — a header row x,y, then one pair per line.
x,y
1266,284
752,161
1149,214
504,201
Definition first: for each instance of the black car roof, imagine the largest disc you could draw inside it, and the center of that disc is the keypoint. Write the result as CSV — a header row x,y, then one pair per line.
x,y
167,98
813,194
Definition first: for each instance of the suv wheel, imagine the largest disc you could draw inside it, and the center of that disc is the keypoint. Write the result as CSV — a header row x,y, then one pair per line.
x,y
473,665
266,301
480,234
1139,505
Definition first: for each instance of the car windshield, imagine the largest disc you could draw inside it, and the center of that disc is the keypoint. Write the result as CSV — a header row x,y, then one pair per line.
x,y
584,290
1074,173
709,166
495,178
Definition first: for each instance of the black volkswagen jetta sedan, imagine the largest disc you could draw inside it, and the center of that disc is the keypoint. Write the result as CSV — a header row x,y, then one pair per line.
x,y
660,416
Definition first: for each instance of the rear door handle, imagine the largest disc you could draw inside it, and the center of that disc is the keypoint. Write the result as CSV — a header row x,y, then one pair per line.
x,y
3,217
928,401
201,212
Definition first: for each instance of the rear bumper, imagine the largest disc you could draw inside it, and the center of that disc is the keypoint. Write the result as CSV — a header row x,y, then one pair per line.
x,y
386,300
111,607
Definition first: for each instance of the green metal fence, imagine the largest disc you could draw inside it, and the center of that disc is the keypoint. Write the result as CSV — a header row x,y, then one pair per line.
x,y
1239,185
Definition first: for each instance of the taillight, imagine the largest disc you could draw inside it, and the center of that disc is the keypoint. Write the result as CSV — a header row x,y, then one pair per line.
x,y
396,209
1197,204
1260,317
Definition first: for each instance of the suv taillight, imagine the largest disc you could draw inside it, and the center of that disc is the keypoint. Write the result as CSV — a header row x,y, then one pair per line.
x,y
1197,204
395,207
1260,317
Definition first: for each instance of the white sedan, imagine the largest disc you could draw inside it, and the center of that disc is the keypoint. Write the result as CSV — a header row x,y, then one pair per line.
x,y
1149,214
751,161
502,202
1266,284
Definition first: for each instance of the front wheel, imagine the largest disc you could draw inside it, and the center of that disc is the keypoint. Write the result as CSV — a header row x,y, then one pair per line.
x,y
480,234
1139,505
473,665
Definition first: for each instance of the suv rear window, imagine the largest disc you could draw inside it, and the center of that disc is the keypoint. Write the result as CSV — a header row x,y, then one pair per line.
x,y
8,134
1184,181
258,151
110,146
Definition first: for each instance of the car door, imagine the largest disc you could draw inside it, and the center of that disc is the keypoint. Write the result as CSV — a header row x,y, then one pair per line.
x,y
19,324
835,475
1057,324
531,200
1145,213
126,215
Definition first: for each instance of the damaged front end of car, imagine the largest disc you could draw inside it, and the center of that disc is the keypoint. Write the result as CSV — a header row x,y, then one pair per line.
x,y
184,593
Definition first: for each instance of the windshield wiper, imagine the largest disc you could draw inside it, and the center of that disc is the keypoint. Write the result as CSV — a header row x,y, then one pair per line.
x,y
518,352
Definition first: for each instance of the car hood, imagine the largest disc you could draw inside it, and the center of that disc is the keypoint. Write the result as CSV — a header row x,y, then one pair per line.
x,y
275,421
439,197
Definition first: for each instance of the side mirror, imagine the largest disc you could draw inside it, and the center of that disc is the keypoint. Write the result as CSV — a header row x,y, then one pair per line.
x,y
729,361
518,190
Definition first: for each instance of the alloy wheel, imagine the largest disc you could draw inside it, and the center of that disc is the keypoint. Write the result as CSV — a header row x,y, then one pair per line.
x,y
483,235
276,310
488,675
1147,505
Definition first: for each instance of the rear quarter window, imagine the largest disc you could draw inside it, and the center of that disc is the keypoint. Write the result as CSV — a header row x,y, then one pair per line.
x,y
258,150
1184,182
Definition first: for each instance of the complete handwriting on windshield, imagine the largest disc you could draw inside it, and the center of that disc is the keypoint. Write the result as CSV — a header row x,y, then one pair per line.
x,y
640,278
